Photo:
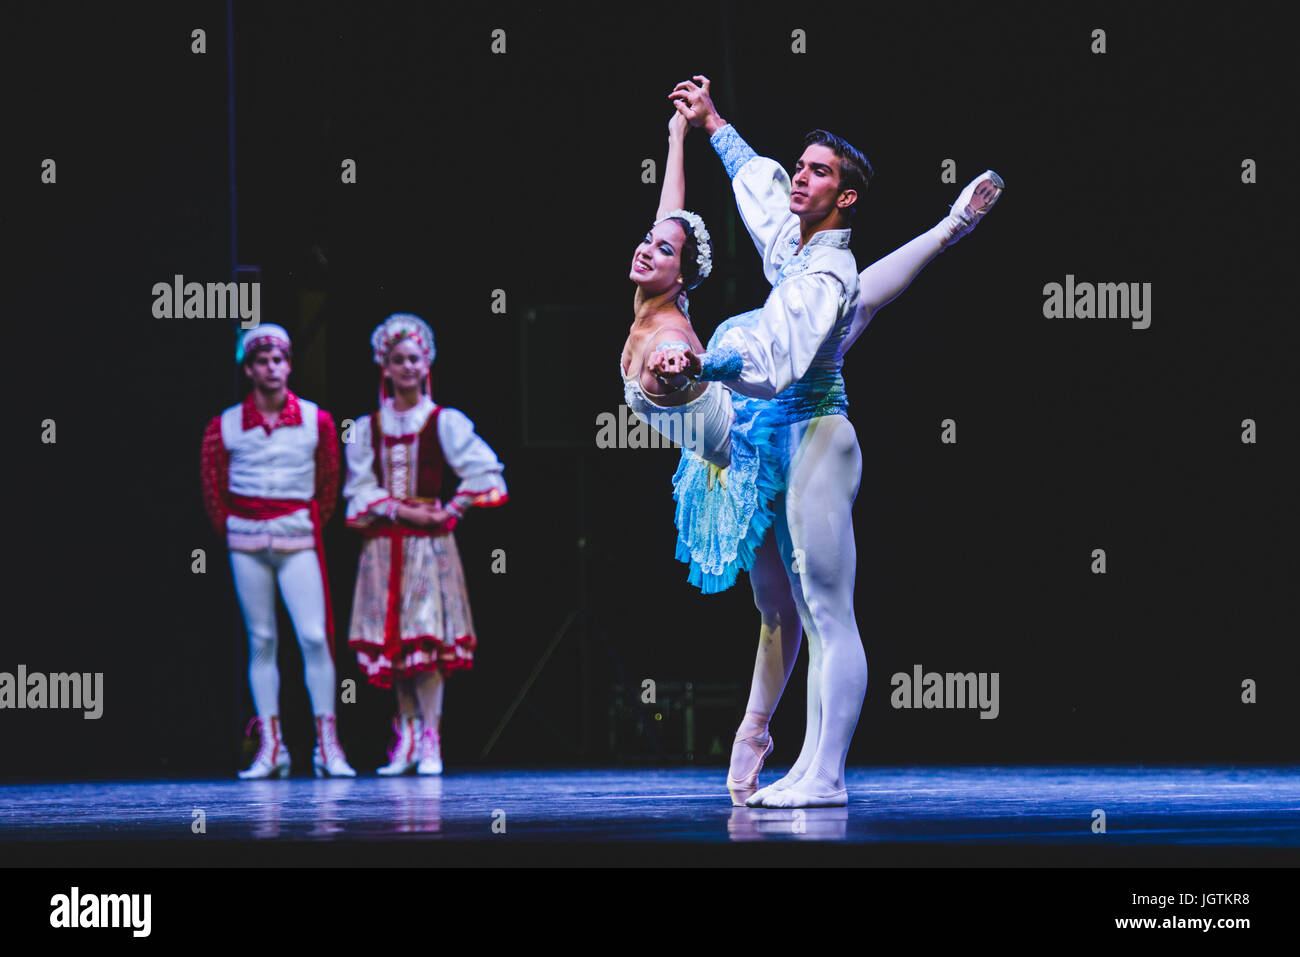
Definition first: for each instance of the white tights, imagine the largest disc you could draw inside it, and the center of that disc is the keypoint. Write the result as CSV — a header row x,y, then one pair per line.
x,y
298,574
805,570
804,575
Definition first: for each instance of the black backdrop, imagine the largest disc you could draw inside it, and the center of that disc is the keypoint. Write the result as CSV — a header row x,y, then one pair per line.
x,y
522,172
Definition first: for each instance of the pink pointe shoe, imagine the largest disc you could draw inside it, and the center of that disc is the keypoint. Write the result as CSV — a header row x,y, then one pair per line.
x,y
741,790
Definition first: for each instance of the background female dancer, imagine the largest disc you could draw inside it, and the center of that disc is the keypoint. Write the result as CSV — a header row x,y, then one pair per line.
x,y
411,623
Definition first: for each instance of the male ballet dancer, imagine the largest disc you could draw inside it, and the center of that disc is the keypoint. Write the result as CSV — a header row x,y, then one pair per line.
x,y
792,352
270,482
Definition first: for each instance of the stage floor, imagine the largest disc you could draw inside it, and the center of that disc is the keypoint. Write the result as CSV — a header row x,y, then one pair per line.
x,y
1051,809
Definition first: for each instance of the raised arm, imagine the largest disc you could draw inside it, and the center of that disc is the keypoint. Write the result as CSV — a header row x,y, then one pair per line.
x,y
761,185
672,195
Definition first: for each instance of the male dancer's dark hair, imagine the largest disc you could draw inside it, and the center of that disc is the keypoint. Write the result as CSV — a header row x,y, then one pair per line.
x,y
855,169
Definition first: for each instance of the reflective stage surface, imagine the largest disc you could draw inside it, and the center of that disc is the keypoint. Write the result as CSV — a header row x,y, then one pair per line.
x,y
1052,810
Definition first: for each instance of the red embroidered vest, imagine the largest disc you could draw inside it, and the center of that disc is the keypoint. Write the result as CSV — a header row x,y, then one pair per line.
x,y
428,472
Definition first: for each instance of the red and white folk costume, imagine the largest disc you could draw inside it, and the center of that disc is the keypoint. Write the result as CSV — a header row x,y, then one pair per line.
x,y
269,489
411,623
411,610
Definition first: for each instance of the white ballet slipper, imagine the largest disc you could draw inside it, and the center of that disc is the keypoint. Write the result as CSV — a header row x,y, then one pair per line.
x,y
972,204
798,797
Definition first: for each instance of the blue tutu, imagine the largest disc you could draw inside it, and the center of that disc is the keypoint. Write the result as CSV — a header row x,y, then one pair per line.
x,y
723,514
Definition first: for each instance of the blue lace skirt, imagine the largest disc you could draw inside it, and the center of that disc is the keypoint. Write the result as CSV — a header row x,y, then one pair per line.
x,y
723,514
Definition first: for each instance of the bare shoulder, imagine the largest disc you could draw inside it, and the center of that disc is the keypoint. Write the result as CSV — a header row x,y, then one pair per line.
x,y
675,332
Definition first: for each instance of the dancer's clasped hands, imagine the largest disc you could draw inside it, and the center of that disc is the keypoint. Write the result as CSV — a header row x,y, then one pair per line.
x,y
422,514
670,362
693,101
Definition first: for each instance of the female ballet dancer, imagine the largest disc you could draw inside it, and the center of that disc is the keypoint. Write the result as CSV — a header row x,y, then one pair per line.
x,y
722,433
411,622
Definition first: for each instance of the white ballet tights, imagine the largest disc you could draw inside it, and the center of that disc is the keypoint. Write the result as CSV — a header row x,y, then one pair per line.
x,y
298,575
817,580
885,279
814,536
421,695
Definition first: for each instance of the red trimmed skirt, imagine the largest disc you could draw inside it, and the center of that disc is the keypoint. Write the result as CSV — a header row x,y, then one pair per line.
x,y
427,625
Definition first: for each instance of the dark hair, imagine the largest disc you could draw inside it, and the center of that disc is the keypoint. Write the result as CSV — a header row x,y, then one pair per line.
x,y
251,354
690,254
855,169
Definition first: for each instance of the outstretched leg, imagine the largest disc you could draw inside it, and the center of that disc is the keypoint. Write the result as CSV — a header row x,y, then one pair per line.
x,y
824,475
778,647
884,280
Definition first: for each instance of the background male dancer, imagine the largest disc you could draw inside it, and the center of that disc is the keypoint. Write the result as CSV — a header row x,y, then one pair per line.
x,y
270,482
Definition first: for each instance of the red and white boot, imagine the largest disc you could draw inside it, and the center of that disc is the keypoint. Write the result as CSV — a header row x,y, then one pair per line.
x,y
430,752
328,757
272,760
405,752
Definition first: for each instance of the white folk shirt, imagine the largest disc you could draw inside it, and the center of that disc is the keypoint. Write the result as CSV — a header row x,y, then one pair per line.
x,y
280,464
465,453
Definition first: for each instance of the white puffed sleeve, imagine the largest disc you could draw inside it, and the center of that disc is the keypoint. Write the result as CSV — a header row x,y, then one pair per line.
x,y
473,461
362,490
769,356
762,189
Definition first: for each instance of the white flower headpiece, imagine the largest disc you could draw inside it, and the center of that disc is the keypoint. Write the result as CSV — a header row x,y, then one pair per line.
x,y
398,327
704,255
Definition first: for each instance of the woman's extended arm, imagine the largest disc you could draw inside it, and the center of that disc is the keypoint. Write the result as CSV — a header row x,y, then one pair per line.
x,y
673,194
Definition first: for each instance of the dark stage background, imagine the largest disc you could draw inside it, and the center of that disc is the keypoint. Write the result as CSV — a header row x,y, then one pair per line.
x,y
522,172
